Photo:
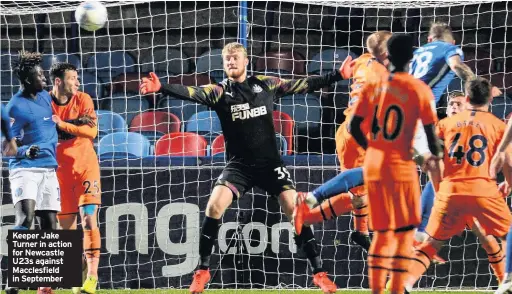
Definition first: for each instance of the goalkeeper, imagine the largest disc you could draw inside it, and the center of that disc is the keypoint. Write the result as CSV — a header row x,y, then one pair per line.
x,y
244,105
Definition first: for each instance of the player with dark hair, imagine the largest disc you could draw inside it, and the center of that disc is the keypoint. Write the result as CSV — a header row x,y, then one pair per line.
x,y
467,190
244,105
79,170
393,104
34,184
9,147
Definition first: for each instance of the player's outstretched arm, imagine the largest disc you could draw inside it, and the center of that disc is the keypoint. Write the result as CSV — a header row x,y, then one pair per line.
x,y
284,87
465,73
207,95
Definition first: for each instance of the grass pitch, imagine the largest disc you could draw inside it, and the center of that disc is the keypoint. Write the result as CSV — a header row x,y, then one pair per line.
x,y
172,291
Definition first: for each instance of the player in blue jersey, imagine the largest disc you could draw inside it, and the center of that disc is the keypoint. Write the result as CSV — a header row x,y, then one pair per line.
x,y
34,184
9,147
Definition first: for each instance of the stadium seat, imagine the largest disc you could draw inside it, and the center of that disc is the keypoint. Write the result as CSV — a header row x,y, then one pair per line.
x,y
127,82
218,146
328,60
110,64
124,144
284,124
281,62
501,106
455,85
49,59
181,144
110,122
167,60
190,80
9,86
155,124
305,110
181,108
211,63
91,85
127,106
204,122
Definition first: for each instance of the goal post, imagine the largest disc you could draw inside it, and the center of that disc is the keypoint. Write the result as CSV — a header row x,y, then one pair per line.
x,y
153,205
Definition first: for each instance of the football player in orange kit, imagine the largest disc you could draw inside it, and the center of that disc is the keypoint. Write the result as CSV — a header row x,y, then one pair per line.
x,y
467,189
350,154
79,171
393,104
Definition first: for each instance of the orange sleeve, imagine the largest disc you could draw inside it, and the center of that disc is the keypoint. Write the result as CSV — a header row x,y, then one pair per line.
x,y
426,100
363,105
85,131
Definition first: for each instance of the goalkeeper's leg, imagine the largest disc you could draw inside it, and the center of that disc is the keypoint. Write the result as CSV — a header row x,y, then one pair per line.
x,y
68,221
495,254
219,201
306,241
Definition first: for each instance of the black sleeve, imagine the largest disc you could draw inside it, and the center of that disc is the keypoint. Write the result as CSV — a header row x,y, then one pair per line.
x,y
208,95
284,87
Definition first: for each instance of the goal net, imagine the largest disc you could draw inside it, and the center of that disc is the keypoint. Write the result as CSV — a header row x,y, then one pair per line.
x,y
153,205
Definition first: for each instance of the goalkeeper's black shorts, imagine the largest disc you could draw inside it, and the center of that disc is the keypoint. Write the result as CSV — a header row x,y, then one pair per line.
x,y
239,178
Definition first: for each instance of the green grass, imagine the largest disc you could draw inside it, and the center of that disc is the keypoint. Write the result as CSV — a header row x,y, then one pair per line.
x,y
169,291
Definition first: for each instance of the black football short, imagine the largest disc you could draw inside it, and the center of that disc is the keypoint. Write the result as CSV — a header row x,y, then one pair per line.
x,y
240,178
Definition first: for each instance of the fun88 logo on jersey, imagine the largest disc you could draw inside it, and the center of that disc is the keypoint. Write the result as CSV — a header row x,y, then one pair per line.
x,y
243,111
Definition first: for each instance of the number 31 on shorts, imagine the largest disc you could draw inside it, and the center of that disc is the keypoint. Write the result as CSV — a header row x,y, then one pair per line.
x,y
283,173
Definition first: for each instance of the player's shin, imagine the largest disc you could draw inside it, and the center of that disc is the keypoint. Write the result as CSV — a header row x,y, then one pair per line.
x,y
209,233
508,256
329,209
307,242
379,261
401,261
495,255
92,238
421,259
427,201
361,219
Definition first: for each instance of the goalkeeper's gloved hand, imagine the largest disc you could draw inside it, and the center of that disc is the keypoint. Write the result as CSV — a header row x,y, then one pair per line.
x,y
150,85
347,67
32,152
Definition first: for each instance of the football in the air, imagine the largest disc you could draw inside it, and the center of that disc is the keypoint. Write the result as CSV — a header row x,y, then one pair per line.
x,y
91,15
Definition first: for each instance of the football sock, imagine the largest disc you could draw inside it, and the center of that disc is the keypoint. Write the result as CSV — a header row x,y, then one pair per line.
x,y
420,262
92,247
401,260
209,233
329,209
379,259
427,201
341,183
496,257
306,241
361,219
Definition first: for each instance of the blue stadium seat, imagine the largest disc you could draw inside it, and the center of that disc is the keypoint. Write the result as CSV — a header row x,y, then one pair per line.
x,y
204,122
328,60
306,111
91,84
9,86
166,60
110,122
127,106
181,108
211,63
110,64
124,144
501,106
50,59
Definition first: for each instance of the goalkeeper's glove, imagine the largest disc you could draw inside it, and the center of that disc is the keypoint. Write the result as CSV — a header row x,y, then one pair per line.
x,y
347,67
150,85
32,152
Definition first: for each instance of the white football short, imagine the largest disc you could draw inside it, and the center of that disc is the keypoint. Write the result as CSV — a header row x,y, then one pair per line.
x,y
420,142
38,184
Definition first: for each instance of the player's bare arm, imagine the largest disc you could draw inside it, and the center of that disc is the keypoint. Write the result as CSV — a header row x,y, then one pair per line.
x,y
431,163
465,73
